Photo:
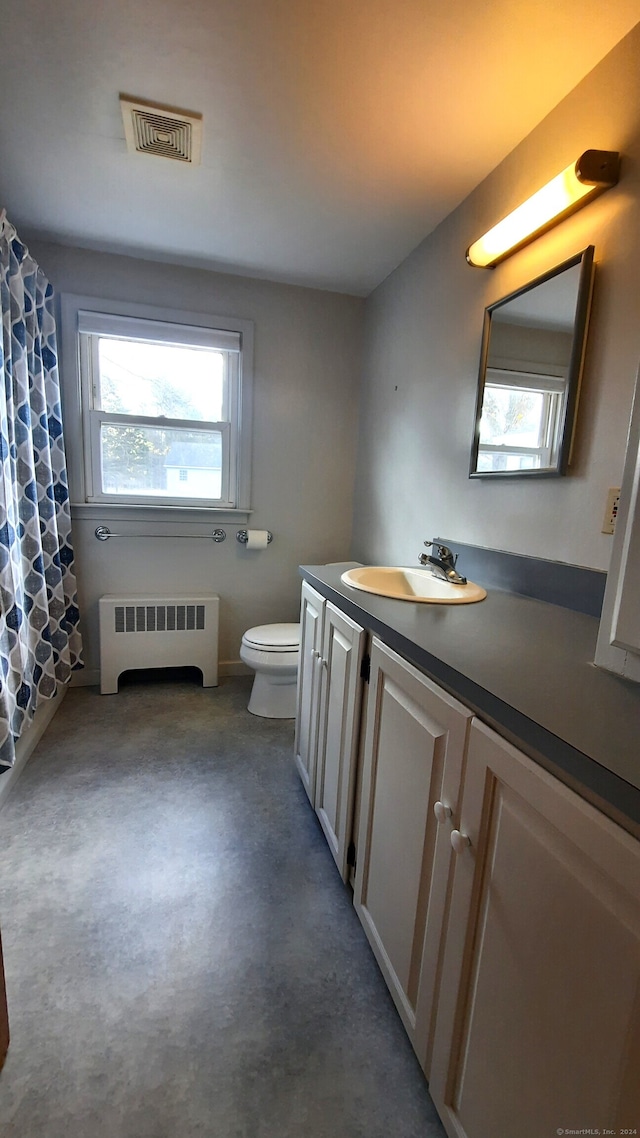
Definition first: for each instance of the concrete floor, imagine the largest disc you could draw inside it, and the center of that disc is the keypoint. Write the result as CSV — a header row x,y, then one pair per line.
x,y
182,958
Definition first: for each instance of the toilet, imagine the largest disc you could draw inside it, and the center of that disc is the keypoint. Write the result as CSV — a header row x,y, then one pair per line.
x,y
272,650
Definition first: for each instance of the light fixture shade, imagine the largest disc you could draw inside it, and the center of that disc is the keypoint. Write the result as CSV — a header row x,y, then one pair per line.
x,y
595,171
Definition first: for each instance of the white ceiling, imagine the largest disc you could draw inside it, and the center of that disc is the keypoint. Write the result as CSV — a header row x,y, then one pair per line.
x,y
336,133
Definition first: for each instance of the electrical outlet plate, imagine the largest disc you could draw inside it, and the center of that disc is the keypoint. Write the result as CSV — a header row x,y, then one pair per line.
x,y
611,512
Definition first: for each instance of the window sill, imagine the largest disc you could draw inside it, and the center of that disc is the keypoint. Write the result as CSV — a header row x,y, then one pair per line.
x,y
99,511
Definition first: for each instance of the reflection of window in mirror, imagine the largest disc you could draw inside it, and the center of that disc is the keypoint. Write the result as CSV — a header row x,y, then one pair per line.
x,y
531,361
519,422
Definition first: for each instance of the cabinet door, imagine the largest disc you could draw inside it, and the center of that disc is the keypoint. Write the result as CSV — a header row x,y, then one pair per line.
x,y
341,697
618,647
308,696
412,757
538,1025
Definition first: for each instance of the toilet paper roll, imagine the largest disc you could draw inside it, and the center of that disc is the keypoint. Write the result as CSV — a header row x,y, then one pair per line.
x,y
257,538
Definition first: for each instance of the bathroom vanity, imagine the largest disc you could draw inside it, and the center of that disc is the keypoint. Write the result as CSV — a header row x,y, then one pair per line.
x,y
478,781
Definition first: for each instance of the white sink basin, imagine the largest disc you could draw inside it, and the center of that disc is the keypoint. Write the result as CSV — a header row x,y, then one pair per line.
x,y
406,584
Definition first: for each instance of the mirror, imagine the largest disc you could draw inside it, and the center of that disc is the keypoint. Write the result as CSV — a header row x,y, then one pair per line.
x,y
530,369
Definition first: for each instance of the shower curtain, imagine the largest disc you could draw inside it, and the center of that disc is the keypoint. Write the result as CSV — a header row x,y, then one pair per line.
x,y
39,638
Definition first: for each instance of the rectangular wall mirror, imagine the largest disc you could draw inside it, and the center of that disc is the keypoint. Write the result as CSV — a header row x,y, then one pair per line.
x,y
531,362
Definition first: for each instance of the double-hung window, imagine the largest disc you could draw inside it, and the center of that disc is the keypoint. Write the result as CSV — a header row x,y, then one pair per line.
x,y
520,415
162,412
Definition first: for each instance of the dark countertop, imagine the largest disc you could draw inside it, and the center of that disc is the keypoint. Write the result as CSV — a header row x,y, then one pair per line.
x,y
526,667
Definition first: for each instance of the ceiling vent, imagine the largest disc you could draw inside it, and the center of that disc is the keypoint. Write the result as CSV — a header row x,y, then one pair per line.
x,y
165,131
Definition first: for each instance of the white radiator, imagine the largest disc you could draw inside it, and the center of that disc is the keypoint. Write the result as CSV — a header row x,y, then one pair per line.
x,y
157,632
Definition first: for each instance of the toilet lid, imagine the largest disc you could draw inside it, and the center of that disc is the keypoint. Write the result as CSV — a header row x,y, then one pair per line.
x,y
273,637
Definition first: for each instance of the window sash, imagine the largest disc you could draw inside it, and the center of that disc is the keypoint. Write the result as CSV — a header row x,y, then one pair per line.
x,y
542,453
94,417
498,448
229,374
96,494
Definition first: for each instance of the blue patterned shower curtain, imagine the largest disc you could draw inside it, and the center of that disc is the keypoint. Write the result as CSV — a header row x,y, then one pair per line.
x,y
39,638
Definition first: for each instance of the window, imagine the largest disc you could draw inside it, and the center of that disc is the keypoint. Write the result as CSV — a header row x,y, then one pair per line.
x,y
520,413
164,411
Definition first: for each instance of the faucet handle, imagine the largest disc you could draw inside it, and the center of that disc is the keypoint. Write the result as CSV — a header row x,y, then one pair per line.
x,y
443,552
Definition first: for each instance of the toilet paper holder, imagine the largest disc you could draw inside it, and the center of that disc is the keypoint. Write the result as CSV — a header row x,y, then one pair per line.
x,y
243,536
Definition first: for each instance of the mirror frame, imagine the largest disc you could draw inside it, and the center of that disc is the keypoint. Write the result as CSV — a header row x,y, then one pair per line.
x,y
574,373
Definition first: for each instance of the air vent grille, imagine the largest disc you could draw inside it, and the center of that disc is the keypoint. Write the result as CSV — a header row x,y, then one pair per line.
x,y
164,131
159,618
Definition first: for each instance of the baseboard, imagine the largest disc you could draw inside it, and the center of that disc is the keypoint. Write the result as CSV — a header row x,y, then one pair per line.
x,y
28,742
233,668
86,678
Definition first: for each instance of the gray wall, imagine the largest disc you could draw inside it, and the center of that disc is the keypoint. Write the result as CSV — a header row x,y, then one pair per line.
x,y
422,343
308,347
424,326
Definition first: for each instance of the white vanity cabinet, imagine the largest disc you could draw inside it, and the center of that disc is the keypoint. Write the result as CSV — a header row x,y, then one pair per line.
x,y
328,722
503,908
538,1022
308,696
413,753
343,646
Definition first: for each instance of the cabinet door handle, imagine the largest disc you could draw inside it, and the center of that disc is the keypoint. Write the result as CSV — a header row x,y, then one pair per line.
x,y
324,663
442,812
459,841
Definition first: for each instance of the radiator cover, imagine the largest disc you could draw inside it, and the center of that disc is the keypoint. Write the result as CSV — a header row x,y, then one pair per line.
x,y
157,632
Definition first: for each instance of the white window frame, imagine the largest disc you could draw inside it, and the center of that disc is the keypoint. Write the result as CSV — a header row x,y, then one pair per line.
x,y
538,383
83,319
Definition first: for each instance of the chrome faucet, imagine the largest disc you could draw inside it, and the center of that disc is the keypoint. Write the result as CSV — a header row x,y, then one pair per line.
x,y
444,565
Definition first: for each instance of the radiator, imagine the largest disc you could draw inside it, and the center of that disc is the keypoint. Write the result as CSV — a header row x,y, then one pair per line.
x,y
157,632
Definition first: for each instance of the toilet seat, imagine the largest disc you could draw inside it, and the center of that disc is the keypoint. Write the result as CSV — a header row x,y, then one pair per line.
x,y
273,638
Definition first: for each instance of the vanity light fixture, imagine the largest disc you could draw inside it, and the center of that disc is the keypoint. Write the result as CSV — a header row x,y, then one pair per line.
x,y
595,171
